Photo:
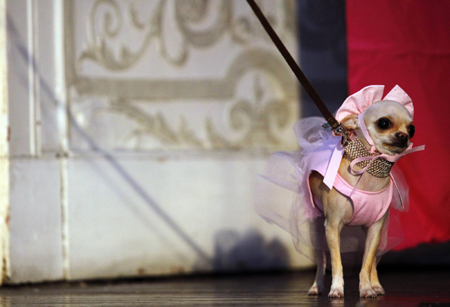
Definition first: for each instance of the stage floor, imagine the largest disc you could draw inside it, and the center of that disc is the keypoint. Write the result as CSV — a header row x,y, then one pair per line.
x,y
424,287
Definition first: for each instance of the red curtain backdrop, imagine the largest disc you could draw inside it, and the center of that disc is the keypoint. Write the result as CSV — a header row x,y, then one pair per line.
x,y
407,43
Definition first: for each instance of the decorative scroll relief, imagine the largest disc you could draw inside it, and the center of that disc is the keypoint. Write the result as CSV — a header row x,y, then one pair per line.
x,y
190,74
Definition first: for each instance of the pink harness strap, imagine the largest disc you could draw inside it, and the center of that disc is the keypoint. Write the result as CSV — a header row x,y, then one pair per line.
x,y
364,130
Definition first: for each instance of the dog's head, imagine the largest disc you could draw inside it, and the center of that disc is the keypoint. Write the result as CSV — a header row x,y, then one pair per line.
x,y
389,124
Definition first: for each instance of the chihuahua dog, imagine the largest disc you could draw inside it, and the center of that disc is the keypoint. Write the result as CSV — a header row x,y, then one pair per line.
x,y
335,186
390,127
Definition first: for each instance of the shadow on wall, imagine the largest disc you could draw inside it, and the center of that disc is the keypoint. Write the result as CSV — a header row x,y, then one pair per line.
x,y
236,252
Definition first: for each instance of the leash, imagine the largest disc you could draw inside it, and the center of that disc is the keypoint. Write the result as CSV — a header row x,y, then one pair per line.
x,y
337,127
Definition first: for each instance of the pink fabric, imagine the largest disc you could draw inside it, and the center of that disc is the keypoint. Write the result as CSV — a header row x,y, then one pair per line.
x,y
368,207
333,165
318,160
399,95
359,101
364,130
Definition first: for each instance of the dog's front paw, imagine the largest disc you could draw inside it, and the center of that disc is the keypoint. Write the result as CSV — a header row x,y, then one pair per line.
x,y
367,292
314,290
336,292
378,289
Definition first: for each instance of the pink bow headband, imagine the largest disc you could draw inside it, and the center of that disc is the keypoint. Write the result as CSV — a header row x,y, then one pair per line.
x,y
359,101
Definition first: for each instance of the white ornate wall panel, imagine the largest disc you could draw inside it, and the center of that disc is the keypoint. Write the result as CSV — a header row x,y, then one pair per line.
x,y
179,75
140,129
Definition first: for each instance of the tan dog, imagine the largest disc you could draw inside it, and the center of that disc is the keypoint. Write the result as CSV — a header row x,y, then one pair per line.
x,y
390,127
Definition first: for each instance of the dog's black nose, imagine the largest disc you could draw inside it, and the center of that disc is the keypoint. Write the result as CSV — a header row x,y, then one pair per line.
x,y
403,137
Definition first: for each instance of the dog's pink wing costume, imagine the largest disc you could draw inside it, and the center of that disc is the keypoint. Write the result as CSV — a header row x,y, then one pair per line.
x,y
321,151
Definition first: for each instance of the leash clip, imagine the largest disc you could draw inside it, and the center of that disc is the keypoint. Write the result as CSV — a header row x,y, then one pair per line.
x,y
340,130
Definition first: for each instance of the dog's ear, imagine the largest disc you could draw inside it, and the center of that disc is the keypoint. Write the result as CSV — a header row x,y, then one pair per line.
x,y
350,122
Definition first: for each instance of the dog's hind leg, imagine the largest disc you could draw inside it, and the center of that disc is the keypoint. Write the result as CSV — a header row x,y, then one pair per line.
x,y
318,236
333,229
318,285
337,209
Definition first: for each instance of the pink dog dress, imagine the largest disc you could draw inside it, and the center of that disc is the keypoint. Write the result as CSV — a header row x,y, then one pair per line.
x,y
368,207
285,198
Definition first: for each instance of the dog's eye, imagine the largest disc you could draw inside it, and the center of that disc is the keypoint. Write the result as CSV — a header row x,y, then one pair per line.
x,y
411,130
384,123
